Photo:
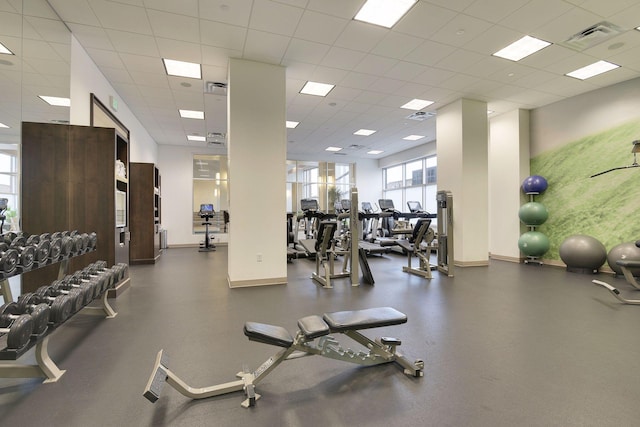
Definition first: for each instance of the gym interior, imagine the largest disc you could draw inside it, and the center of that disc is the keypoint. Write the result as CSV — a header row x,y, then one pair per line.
x,y
481,272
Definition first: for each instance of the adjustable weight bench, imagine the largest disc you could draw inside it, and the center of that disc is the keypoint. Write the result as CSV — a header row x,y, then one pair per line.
x,y
312,338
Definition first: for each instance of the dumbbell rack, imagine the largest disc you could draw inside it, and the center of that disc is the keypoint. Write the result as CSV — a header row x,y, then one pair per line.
x,y
45,366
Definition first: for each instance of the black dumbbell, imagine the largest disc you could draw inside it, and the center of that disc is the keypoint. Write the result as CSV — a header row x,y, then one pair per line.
x,y
41,247
10,237
93,240
85,290
17,326
77,295
30,303
61,305
26,253
101,279
8,259
77,279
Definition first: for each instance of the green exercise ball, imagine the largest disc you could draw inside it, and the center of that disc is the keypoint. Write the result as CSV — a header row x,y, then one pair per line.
x,y
534,243
533,213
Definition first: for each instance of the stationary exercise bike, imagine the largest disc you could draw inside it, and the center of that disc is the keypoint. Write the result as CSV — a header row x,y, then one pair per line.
x,y
206,212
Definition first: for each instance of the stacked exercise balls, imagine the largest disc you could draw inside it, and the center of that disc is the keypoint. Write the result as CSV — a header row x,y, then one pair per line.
x,y
533,243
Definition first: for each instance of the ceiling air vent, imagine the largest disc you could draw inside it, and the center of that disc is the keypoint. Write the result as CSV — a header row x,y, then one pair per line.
x,y
215,88
216,139
421,115
592,36
356,147
339,154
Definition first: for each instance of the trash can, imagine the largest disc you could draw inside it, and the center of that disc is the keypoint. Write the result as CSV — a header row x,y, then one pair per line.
x,y
163,239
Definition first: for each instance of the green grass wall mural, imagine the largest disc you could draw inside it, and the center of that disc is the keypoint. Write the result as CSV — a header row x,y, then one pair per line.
x,y
605,207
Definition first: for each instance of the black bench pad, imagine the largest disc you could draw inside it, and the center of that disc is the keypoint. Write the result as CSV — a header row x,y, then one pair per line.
x,y
268,334
313,327
364,319
628,263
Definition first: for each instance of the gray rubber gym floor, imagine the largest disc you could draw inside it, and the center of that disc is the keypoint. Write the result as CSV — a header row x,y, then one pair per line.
x,y
504,345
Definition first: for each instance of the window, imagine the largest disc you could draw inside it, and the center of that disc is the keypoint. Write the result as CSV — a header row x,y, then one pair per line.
x,y
9,184
412,181
324,181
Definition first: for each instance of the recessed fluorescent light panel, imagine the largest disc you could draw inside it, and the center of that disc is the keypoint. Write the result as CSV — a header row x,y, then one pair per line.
x,y
413,137
192,114
417,104
196,138
2,125
56,101
375,152
5,50
364,132
182,69
384,12
592,70
522,48
317,89
292,125
332,149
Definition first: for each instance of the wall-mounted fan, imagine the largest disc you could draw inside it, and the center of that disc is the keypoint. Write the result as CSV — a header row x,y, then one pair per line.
x,y
634,150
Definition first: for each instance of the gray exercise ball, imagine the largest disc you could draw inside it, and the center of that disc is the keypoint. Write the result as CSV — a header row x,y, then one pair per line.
x,y
624,251
583,252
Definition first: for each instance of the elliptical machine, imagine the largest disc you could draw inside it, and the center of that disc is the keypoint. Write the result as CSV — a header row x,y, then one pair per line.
x,y
206,212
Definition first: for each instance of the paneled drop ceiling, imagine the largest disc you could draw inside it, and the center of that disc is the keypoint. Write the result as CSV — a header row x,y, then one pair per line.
x,y
440,51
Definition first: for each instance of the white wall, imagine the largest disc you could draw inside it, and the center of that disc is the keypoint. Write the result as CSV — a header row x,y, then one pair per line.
x,y
508,167
368,181
589,113
424,150
86,78
176,168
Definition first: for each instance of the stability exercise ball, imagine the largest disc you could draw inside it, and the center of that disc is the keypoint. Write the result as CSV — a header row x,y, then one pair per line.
x,y
533,213
533,243
535,184
582,252
624,251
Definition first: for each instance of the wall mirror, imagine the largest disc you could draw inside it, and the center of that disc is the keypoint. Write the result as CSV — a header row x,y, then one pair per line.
x,y
210,186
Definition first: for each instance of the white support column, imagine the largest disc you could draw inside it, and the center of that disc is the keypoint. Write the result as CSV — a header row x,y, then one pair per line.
x,y
508,167
461,134
257,174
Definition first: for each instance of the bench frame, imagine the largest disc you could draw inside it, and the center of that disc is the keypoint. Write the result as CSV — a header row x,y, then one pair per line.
x,y
625,266
380,351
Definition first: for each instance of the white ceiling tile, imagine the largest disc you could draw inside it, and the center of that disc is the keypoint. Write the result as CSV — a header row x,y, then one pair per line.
x,y
306,51
358,80
534,14
328,75
236,12
11,24
459,82
222,35
261,46
461,30
387,85
319,27
433,76
566,25
179,50
172,26
616,45
460,60
182,7
273,17
429,53
118,16
51,30
343,93
396,45
406,71
374,64
116,75
607,8
628,18
77,11
301,71
424,19
346,9
494,10
91,37
547,57
458,5
360,36
492,40
146,80
338,57
218,56
138,44
147,64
